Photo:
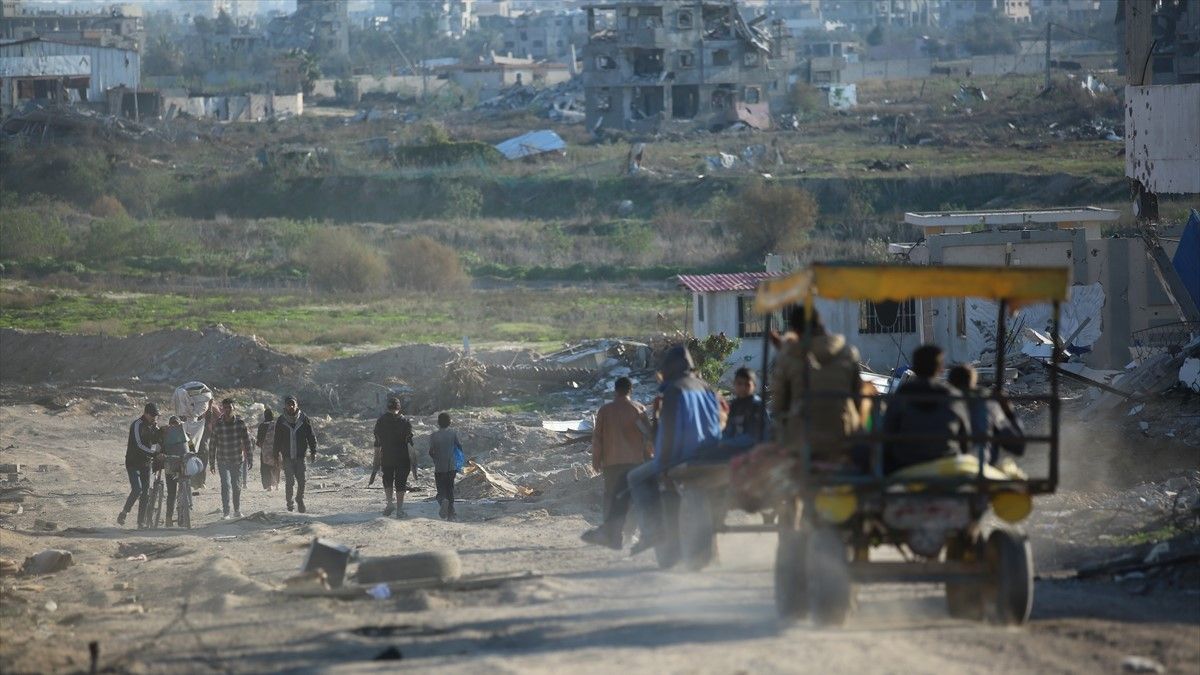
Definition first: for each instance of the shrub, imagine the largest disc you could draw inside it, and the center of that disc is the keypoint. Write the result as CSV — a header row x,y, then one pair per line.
x,y
106,206
711,355
338,259
27,233
771,218
805,98
422,264
460,200
444,154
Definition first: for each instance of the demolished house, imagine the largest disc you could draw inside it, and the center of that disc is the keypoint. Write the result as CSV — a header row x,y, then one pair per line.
x,y
679,60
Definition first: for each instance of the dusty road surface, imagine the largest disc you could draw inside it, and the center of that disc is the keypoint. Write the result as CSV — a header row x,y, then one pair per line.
x,y
208,600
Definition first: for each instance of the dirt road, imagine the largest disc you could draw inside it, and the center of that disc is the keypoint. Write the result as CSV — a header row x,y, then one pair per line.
x,y
205,599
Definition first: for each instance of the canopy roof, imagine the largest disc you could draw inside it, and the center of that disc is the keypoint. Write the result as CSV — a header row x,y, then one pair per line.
x,y
1018,285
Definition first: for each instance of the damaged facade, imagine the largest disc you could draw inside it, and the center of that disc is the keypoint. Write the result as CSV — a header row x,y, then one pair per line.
x,y
679,60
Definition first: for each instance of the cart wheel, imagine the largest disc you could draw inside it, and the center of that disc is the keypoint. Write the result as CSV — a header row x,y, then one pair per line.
x,y
830,592
1010,565
697,528
667,552
964,599
791,599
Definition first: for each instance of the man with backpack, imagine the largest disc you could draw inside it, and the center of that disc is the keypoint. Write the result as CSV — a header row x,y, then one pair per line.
x,y
393,454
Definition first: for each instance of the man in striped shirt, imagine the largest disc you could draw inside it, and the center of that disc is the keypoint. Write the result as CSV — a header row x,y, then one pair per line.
x,y
230,447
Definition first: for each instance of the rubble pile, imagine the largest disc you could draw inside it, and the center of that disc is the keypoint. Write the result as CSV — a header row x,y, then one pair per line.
x,y
214,354
563,102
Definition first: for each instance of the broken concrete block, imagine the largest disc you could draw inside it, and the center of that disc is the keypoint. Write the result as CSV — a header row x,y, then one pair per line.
x,y
330,558
48,562
430,565
12,468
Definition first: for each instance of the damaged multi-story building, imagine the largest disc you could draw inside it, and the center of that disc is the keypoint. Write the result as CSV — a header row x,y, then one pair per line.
x,y
646,62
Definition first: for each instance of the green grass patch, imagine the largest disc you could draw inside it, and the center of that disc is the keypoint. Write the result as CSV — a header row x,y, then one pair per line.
x,y
533,316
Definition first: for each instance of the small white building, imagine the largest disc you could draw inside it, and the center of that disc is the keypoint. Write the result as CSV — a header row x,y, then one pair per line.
x,y
885,334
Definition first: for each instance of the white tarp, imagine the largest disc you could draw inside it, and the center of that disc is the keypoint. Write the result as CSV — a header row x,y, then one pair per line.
x,y
531,144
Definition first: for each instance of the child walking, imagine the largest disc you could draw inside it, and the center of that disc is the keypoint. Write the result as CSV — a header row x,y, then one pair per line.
x,y
442,445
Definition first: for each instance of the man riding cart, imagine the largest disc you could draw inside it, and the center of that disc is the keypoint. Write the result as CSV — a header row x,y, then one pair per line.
x,y
838,498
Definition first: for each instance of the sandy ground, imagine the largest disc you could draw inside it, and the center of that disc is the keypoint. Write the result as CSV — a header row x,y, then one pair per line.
x,y
204,601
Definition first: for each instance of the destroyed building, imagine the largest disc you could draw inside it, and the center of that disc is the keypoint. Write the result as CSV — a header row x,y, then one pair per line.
x,y
679,60
108,67
450,18
317,26
118,25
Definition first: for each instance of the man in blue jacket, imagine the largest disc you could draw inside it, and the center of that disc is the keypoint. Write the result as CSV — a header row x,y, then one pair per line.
x,y
689,415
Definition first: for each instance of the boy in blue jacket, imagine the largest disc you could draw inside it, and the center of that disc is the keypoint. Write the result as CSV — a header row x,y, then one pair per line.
x,y
689,416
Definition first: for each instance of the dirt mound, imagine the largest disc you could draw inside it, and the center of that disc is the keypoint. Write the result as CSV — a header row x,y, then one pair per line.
x,y
213,355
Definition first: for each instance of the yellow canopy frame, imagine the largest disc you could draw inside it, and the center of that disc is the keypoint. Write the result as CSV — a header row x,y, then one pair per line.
x,y
877,283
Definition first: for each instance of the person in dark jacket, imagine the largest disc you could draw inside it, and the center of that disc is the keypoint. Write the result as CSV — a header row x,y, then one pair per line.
x,y
393,454
294,437
988,417
689,416
175,445
923,406
265,440
745,423
139,453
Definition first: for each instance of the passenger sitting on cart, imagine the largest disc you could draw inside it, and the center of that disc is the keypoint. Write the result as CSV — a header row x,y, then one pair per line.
x,y
924,408
988,417
175,447
833,368
689,416
744,425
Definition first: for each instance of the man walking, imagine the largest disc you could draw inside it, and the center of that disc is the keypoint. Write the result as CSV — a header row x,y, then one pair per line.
x,y
393,454
229,448
619,444
689,417
294,437
265,440
139,452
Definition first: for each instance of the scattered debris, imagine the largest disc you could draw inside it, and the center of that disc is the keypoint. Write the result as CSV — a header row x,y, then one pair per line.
x,y
307,582
47,562
1141,664
441,565
329,558
8,567
478,482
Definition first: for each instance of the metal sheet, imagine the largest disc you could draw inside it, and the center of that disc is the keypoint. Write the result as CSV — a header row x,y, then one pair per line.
x,y
46,66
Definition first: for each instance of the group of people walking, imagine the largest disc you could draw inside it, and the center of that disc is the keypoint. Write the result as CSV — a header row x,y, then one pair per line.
x,y
284,442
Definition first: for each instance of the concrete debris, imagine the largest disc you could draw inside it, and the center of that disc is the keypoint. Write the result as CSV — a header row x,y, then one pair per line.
x,y
563,102
47,562
1189,374
8,567
1141,664
442,565
968,93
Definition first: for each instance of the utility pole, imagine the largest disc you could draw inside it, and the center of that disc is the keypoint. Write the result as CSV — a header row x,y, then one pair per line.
x,y
1049,26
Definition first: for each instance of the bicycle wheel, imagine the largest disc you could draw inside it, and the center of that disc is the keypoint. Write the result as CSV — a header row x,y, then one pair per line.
x,y
184,503
156,502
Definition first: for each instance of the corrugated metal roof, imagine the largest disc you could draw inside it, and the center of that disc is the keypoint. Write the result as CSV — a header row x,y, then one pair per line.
x,y
722,283
45,66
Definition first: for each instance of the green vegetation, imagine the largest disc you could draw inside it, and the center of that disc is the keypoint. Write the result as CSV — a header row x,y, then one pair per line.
x,y
541,317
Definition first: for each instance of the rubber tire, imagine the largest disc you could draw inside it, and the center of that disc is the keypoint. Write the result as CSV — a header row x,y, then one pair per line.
x,y
830,591
183,503
1010,588
156,504
666,553
427,565
697,528
964,599
791,580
